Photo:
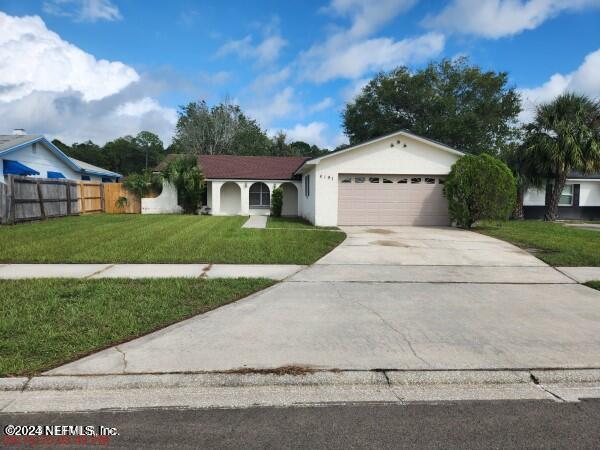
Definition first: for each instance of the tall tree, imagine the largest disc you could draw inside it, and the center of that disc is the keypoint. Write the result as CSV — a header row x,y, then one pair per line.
x,y
563,138
517,157
221,129
450,101
152,147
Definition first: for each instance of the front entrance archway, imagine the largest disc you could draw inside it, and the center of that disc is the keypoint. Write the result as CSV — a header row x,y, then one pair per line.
x,y
290,199
231,199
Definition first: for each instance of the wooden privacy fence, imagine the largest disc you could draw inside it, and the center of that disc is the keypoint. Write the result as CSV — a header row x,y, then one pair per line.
x,y
115,191
91,196
24,199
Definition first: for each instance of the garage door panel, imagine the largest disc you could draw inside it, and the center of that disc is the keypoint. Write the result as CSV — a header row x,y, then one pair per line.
x,y
392,203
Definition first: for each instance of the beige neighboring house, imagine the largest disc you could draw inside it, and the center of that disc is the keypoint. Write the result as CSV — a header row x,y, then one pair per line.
x,y
395,179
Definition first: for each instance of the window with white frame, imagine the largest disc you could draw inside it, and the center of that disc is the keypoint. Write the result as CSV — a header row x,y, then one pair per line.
x,y
260,196
566,198
307,185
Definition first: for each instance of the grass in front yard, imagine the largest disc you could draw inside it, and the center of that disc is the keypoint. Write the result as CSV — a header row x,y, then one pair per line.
x,y
47,322
593,284
294,222
125,238
554,243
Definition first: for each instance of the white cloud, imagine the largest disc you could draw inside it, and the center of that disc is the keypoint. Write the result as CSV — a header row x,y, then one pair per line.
x,y
351,53
281,105
584,80
69,118
33,58
326,103
83,10
315,133
52,87
264,52
350,92
368,16
498,18
377,54
265,83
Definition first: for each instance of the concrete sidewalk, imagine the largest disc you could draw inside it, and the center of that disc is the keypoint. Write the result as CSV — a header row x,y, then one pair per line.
x,y
95,271
256,222
581,274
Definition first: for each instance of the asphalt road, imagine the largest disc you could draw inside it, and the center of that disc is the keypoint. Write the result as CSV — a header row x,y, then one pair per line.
x,y
507,424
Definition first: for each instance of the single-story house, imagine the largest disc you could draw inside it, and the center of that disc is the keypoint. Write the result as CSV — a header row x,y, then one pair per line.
x,y
580,199
35,156
395,179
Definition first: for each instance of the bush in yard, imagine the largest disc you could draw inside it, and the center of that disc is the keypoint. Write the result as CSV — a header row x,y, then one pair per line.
x,y
276,202
141,184
185,175
479,187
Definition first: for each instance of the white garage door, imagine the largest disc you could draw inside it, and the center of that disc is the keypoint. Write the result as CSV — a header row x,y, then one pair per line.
x,y
392,200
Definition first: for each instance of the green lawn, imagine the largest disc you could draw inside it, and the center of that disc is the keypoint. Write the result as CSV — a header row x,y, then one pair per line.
x,y
294,222
593,284
132,238
47,322
553,243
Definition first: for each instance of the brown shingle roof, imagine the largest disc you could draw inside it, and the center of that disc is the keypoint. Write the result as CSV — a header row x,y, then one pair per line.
x,y
250,167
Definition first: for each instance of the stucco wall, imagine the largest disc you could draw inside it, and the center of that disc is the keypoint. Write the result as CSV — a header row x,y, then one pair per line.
x,y
307,209
589,194
215,198
165,203
416,158
534,197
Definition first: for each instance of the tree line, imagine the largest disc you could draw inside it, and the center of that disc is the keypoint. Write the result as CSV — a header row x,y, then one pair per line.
x,y
219,130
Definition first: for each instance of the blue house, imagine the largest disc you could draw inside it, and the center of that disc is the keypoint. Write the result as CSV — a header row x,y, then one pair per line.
x,y
35,156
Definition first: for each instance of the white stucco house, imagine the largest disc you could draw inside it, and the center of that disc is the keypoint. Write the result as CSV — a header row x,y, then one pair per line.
x,y
580,199
395,179
35,156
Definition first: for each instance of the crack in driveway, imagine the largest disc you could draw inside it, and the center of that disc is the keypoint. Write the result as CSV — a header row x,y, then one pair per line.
x,y
385,322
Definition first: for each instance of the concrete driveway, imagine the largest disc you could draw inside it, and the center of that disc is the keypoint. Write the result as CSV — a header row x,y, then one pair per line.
x,y
387,298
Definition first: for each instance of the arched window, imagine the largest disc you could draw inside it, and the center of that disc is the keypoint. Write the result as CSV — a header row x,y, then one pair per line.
x,y
260,196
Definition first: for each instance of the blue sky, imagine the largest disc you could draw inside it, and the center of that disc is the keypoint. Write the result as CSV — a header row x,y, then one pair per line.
x,y
98,69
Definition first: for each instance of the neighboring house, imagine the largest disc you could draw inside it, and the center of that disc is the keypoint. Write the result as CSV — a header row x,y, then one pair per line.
x,y
395,179
579,200
35,156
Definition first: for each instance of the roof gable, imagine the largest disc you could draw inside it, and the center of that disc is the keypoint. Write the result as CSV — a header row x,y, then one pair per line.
x,y
431,142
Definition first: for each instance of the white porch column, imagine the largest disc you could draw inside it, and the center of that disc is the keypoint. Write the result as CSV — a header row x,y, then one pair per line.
x,y
245,192
216,197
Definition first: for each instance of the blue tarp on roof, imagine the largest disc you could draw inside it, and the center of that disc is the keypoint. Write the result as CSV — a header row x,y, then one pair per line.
x,y
55,175
16,168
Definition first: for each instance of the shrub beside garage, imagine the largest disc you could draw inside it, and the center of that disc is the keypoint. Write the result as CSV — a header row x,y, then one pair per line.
x,y
479,188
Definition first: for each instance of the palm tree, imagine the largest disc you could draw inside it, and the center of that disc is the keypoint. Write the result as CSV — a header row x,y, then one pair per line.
x,y
185,175
563,138
519,160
